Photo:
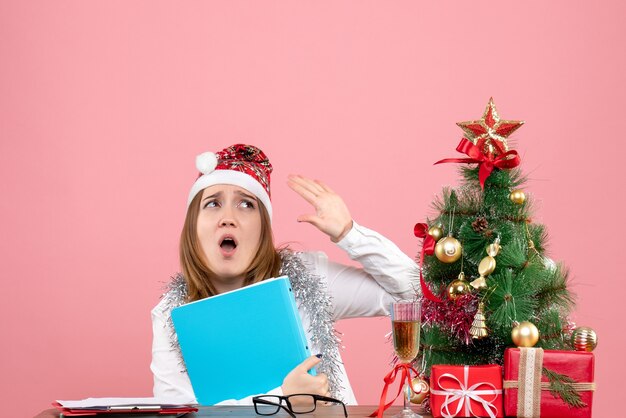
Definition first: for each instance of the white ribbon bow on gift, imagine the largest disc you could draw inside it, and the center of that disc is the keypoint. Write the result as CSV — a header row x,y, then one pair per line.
x,y
465,394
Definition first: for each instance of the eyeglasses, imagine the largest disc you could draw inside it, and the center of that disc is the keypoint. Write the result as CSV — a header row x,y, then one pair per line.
x,y
295,404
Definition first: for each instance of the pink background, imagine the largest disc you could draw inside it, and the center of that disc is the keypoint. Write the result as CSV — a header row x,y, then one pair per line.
x,y
104,105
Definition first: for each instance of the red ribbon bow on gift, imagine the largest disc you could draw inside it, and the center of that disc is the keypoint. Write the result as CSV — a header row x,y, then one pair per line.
x,y
389,379
487,162
428,248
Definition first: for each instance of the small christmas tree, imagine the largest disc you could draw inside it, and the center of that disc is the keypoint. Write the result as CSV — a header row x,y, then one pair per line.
x,y
484,230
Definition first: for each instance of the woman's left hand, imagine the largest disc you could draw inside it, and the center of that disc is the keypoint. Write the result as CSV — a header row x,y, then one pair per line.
x,y
332,216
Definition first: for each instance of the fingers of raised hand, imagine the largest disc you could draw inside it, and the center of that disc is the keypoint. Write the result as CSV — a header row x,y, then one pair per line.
x,y
306,186
304,189
324,186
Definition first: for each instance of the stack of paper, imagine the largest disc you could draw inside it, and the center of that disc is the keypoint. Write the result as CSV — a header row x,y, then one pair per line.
x,y
96,406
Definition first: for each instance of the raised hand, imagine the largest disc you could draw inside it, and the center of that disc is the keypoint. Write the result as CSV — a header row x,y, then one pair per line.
x,y
332,216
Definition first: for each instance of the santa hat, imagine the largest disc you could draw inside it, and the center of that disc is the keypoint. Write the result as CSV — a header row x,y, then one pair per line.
x,y
240,165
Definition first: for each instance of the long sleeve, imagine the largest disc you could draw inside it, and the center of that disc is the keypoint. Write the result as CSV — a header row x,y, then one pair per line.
x,y
171,381
387,275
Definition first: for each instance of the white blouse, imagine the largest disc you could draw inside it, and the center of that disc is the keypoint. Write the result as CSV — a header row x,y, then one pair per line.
x,y
387,275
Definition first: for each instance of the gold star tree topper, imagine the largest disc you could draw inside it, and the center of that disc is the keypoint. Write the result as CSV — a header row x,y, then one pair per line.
x,y
490,133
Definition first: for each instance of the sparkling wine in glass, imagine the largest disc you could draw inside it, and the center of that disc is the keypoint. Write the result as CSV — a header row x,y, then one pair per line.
x,y
405,323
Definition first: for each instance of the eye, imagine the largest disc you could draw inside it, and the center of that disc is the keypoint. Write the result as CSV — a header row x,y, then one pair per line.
x,y
248,204
211,204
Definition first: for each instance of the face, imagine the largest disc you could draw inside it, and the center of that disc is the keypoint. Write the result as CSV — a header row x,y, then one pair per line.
x,y
229,231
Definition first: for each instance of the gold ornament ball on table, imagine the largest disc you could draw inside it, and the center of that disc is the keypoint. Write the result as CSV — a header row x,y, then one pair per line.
x,y
458,287
525,334
517,196
436,232
421,389
584,339
448,249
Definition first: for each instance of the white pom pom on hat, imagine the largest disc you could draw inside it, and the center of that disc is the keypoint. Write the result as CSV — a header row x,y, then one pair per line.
x,y
206,162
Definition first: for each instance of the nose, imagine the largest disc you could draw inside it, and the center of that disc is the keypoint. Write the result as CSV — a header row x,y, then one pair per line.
x,y
227,222
228,218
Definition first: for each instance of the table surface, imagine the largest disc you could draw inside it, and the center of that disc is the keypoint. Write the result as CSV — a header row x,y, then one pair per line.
x,y
248,411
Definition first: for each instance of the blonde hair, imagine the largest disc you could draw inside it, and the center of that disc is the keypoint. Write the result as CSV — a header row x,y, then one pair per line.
x,y
265,264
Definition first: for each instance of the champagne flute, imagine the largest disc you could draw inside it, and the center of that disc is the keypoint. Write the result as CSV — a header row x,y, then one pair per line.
x,y
405,322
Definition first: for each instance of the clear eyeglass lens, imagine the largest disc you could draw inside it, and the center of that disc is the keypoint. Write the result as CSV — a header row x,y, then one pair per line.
x,y
302,404
263,408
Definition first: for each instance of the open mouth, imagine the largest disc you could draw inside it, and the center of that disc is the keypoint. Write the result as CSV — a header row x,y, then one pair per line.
x,y
228,244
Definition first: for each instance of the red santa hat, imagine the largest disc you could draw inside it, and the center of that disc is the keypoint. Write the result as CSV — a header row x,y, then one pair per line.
x,y
240,165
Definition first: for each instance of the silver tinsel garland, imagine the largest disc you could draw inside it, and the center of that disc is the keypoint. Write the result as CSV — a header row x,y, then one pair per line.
x,y
312,298
175,296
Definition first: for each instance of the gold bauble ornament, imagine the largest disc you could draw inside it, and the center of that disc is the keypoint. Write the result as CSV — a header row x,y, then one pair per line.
x,y
525,334
458,287
584,339
421,389
517,196
436,232
448,249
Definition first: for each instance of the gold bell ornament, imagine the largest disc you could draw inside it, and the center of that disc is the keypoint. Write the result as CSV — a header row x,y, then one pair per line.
x,y
458,287
448,249
487,265
584,339
420,391
517,196
525,334
479,328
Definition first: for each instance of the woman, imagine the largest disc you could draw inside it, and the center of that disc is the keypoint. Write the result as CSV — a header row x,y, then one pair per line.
x,y
227,243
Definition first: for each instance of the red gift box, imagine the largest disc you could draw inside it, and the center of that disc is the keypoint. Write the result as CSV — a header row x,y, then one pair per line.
x,y
526,388
466,391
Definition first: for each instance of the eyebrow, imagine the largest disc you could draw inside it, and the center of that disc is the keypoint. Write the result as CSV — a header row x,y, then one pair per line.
x,y
239,192
213,195
249,196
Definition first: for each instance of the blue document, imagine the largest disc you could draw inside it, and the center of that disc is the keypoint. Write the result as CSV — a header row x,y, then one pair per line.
x,y
242,342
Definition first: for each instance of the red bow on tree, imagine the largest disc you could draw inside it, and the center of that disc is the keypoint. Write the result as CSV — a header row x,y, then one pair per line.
x,y
428,248
487,162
